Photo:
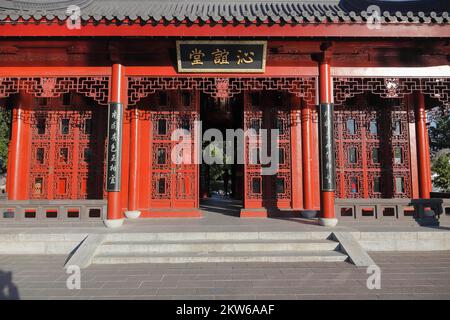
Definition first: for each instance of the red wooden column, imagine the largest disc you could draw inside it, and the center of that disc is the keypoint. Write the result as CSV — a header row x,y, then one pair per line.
x,y
114,164
19,149
132,212
326,143
307,159
423,151
296,153
427,140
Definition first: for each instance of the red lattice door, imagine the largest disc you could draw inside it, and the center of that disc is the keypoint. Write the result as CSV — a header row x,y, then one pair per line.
x,y
372,152
67,149
173,185
267,110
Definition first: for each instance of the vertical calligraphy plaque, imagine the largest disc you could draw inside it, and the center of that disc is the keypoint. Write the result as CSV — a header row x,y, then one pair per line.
x,y
115,116
327,156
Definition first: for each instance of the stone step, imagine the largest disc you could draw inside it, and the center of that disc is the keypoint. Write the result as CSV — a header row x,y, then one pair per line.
x,y
226,236
221,257
219,246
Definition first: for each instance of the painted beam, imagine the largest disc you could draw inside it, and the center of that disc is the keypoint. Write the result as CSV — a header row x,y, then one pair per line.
x,y
341,30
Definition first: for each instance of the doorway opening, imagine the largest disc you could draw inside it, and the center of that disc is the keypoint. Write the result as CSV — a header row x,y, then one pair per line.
x,y
221,185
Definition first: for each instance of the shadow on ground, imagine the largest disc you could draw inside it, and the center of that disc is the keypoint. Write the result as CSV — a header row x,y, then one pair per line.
x,y
8,290
221,205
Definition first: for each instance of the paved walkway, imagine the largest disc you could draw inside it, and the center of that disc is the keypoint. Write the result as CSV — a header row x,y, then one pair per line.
x,y
404,276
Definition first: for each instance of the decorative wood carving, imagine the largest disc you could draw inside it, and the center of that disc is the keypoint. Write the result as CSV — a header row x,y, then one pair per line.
x,y
437,88
141,87
96,88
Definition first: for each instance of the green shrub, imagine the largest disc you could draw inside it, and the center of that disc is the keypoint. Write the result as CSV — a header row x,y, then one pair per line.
x,y
441,167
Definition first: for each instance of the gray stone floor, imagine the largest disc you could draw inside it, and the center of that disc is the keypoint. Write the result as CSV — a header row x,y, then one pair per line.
x,y
415,275
220,216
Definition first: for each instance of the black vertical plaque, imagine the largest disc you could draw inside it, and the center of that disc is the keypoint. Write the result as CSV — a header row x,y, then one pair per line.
x,y
327,156
115,115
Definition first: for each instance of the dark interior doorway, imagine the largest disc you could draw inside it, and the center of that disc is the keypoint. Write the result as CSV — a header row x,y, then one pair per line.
x,y
222,185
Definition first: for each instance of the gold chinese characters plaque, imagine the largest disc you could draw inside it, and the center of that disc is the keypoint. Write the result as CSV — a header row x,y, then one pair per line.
x,y
221,56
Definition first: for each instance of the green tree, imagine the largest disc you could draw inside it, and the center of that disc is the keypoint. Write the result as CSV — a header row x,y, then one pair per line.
x,y
441,167
5,120
440,134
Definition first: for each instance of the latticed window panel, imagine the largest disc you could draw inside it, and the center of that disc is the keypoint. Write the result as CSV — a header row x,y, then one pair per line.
x,y
281,122
63,156
269,111
402,185
254,185
171,180
161,183
372,149
281,185
67,150
162,125
376,184
87,156
39,185
161,159
40,155
284,155
374,155
185,185
353,184
62,185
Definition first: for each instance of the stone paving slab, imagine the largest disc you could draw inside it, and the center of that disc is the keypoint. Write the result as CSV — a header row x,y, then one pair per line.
x,y
350,246
213,221
405,275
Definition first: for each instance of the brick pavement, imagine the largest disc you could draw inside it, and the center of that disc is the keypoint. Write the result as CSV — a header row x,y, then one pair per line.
x,y
413,275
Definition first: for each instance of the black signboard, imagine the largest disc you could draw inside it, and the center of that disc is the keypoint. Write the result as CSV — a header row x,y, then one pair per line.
x,y
327,165
221,56
115,113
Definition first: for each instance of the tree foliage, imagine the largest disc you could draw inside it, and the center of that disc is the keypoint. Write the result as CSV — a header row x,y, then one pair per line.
x,y
440,134
441,167
5,119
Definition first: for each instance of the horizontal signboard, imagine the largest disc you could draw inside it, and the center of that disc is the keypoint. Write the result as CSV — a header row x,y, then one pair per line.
x,y
221,56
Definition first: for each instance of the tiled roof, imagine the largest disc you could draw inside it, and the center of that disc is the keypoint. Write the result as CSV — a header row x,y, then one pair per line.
x,y
226,11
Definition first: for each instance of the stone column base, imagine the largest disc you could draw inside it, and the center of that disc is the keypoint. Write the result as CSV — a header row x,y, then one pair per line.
x,y
309,214
327,222
132,214
113,223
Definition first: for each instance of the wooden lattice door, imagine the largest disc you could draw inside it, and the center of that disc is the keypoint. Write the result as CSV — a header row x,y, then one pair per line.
x,y
67,149
267,110
173,185
373,150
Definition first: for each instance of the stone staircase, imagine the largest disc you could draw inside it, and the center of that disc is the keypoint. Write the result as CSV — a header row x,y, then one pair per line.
x,y
214,247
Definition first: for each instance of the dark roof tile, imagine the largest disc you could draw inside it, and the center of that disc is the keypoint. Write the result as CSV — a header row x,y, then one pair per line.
x,y
322,11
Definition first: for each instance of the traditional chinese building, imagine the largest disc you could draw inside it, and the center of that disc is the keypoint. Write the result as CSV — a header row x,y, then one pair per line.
x,y
96,88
